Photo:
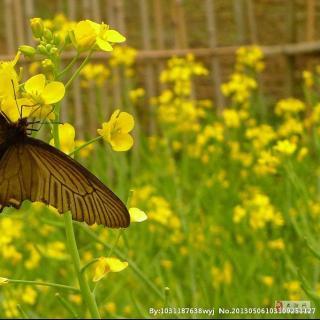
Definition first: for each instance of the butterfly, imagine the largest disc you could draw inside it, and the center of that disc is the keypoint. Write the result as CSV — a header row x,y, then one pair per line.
x,y
31,169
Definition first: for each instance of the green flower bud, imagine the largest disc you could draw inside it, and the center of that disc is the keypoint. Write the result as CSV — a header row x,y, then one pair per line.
x,y
48,35
54,51
42,49
37,27
56,39
48,47
28,51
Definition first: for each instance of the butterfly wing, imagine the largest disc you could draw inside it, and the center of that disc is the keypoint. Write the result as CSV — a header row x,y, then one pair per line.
x,y
3,128
33,170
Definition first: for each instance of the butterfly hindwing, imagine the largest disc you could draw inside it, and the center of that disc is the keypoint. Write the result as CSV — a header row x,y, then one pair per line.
x,y
35,171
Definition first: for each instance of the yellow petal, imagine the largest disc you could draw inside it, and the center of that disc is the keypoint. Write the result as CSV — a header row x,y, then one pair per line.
x,y
106,265
85,35
125,122
116,265
3,281
114,36
35,84
104,45
105,131
121,142
115,115
67,135
137,215
53,92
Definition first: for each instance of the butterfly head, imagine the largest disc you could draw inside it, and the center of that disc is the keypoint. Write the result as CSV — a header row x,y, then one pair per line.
x,y
18,130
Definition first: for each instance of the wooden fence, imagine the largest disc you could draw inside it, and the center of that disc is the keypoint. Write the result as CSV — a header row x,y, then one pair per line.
x,y
211,29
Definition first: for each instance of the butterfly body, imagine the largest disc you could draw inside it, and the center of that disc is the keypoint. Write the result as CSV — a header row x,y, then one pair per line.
x,y
30,169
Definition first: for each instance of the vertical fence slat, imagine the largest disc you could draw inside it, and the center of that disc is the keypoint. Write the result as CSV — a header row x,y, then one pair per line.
x,y
178,17
19,18
291,21
252,22
120,16
239,20
146,37
159,34
116,85
29,9
8,14
215,65
310,19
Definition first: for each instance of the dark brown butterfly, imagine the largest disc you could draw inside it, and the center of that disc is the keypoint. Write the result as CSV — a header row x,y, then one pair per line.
x,y
33,170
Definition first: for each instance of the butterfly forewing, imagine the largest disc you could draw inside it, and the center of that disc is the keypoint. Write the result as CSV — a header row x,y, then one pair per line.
x,y
33,170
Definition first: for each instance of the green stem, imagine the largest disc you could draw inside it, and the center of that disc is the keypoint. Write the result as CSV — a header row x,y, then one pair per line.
x,y
75,75
67,306
45,284
87,265
88,297
23,313
69,66
85,144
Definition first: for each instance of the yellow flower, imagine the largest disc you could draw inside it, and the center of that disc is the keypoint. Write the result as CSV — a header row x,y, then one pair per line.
x,y
137,215
267,280
285,147
29,295
106,265
105,36
87,33
3,281
85,151
83,36
8,78
66,136
116,131
42,93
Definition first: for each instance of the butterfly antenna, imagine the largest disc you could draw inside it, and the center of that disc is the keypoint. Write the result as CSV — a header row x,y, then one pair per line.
x,y
5,116
15,99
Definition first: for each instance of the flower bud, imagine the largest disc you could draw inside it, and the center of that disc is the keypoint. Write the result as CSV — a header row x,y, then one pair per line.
x,y
48,35
54,50
48,47
37,27
42,49
28,51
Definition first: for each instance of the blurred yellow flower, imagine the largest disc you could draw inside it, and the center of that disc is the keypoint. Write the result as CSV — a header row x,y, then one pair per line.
x,y
66,136
137,215
267,280
3,281
116,131
106,265
85,151
285,147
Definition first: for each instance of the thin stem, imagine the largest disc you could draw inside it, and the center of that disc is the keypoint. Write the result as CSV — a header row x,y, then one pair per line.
x,y
115,242
69,66
45,284
84,145
23,313
88,297
75,75
87,265
67,305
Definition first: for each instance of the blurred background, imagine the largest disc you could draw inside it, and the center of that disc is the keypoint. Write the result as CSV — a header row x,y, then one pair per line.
x,y
210,29
225,162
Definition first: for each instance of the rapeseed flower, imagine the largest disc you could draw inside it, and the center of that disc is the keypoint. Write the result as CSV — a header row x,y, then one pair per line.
x,y
117,131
